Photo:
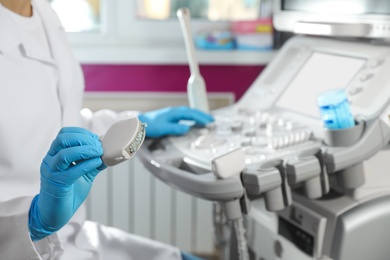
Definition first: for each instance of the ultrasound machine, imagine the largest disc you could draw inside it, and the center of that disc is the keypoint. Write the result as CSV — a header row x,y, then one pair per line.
x,y
292,188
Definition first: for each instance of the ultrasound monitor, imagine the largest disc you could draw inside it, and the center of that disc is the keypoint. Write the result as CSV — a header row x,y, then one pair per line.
x,y
334,18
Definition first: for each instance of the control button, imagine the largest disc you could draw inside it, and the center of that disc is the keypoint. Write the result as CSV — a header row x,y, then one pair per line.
x,y
278,249
236,126
246,142
374,63
289,125
366,76
211,126
355,90
250,133
259,141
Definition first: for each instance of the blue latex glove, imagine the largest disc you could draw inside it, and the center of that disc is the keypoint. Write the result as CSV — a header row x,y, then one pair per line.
x,y
64,184
166,121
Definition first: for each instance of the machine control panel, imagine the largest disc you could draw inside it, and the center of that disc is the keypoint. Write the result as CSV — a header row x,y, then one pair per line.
x,y
263,136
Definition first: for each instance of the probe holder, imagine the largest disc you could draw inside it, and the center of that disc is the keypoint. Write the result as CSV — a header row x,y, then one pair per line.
x,y
308,168
353,176
344,137
270,180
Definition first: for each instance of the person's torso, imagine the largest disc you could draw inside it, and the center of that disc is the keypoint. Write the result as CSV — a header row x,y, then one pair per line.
x,y
31,108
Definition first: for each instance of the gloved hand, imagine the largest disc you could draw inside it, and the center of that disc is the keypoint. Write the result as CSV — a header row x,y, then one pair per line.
x,y
166,121
67,173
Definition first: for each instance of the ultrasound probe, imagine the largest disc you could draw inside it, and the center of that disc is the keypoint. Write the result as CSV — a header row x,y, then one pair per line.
x,y
122,140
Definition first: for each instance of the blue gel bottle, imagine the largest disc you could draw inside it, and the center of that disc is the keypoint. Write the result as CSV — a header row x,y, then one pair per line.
x,y
335,110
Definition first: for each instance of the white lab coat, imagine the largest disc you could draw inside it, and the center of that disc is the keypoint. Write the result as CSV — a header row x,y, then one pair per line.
x,y
39,94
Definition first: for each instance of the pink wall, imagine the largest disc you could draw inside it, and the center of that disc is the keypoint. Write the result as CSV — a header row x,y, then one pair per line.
x,y
168,78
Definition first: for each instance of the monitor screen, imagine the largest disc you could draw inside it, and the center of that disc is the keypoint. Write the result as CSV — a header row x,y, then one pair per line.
x,y
338,6
321,72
